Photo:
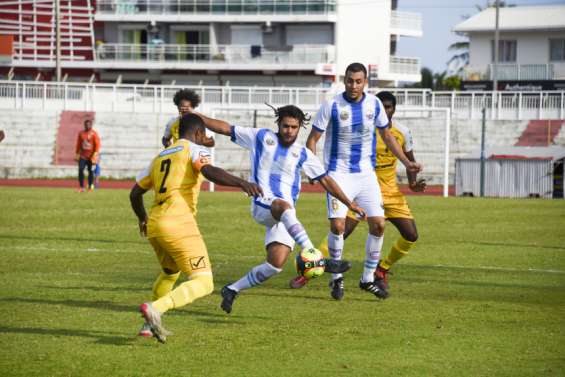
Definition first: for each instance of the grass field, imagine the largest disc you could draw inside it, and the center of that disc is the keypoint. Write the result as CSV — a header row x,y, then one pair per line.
x,y
483,294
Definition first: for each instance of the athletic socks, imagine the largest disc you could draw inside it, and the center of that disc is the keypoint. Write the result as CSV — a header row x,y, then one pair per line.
x,y
295,228
397,251
372,255
200,286
335,249
256,276
164,284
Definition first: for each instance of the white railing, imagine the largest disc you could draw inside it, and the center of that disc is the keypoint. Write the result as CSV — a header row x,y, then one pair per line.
x,y
401,65
297,54
406,21
247,7
27,95
512,72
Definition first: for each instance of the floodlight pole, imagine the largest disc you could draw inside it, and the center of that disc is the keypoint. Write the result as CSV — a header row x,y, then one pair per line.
x,y
496,41
482,181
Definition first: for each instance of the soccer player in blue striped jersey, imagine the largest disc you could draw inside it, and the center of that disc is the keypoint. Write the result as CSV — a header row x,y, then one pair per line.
x,y
349,121
276,162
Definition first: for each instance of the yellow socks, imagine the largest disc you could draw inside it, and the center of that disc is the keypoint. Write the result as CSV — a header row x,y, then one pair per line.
x,y
164,284
397,251
324,247
202,285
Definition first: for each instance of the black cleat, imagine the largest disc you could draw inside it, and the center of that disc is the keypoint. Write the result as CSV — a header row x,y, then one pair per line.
x,y
381,277
374,288
334,266
337,288
228,295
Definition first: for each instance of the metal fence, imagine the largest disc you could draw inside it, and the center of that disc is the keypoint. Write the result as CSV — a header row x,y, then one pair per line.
x,y
506,178
158,98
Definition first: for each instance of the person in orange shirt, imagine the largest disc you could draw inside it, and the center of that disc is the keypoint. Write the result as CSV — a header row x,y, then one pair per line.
x,y
87,149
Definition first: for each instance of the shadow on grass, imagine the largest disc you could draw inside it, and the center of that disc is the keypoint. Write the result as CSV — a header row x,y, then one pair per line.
x,y
99,289
105,305
74,239
510,244
100,337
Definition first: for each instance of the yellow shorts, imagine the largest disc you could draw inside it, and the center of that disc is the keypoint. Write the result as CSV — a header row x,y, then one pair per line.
x,y
396,207
187,254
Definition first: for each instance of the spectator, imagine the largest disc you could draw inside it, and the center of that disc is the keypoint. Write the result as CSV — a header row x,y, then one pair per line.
x,y
87,149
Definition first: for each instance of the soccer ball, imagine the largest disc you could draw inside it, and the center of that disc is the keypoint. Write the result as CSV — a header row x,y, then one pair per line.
x,y
310,263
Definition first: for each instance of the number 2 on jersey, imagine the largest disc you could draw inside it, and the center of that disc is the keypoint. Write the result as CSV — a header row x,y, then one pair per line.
x,y
166,167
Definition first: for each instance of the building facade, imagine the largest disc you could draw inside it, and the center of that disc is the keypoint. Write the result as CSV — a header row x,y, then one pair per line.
x,y
531,48
209,42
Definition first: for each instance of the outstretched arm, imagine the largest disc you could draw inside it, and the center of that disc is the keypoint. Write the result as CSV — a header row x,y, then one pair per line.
x,y
136,200
215,125
396,149
331,186
222,177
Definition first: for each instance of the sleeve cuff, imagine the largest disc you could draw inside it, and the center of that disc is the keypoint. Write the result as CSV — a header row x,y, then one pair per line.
x,y
232,133
318,129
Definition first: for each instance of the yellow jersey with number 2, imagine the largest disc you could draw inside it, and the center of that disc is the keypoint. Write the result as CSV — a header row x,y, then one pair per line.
x,y
174,176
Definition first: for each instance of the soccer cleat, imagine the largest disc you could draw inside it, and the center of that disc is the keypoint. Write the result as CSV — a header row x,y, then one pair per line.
x,y
373,288
228,297
91,188
298,282
337,288
145,331
381,277
153,319
334,266
80,190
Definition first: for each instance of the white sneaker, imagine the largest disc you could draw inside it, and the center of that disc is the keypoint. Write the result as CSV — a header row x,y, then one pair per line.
x,y
153,319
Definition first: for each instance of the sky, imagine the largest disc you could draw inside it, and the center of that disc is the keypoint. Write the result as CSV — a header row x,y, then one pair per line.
x,y
439,18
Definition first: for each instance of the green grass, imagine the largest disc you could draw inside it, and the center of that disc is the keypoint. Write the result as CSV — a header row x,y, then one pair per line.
x,y
482,294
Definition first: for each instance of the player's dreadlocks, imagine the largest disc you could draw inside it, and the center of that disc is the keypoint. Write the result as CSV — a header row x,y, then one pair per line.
x,y
188,95
292,112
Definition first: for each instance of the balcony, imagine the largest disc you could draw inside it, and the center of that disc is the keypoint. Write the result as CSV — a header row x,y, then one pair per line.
x,y
403,69
214,10
232,57
406,23
515,72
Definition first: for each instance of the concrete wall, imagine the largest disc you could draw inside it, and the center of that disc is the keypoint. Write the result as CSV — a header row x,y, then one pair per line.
x,y
130,141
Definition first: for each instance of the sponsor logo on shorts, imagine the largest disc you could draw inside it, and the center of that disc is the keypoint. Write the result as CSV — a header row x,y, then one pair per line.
x,y
198,263
344,115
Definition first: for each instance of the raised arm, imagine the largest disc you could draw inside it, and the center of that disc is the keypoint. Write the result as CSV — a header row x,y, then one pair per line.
x,y
331,186
215,125
222,177
396,149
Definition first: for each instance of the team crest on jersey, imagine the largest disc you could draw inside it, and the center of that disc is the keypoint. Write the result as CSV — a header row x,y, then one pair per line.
x,y
295,154
370,116
270,141
344,115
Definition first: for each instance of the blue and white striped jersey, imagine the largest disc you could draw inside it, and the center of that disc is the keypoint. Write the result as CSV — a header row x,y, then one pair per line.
x,y
350,132
274,167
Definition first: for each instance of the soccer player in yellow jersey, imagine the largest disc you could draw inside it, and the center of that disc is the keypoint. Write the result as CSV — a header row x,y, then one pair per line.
x,y
186,101
395,204
171,227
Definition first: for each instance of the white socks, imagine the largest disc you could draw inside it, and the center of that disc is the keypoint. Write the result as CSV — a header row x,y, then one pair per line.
x,y
256,276
372,255
295,229
335,248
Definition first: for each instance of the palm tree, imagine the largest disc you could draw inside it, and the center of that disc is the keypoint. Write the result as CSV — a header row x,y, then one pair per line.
x,y
457,63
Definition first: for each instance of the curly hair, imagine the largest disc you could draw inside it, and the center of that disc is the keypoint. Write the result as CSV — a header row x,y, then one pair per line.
x,y
292,112
387,96
188,95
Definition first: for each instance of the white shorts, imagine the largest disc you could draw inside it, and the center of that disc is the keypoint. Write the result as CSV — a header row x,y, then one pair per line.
x,y
275,231
363,188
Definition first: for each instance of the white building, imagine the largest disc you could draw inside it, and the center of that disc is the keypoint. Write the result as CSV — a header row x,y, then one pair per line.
x,y
531,44
211,42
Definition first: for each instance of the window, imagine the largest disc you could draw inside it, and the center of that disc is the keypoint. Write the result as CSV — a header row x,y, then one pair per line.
x,y
557,50
506,51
